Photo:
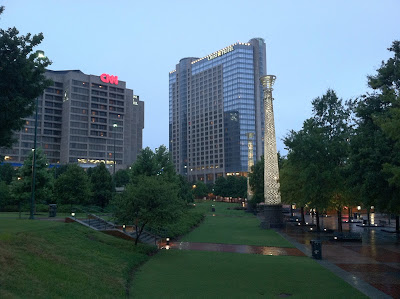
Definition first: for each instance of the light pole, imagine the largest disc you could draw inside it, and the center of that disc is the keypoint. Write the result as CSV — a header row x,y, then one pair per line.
x,y
40,55
114,131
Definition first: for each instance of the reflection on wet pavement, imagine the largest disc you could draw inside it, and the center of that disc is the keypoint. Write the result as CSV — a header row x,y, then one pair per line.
x,y
375,259
263,250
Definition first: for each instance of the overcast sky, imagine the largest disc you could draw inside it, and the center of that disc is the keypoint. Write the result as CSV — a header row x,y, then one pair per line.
x,y
311,45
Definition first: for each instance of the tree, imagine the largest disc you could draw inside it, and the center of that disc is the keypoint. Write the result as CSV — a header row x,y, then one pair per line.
x,y
185,189
232,186
154,163
102,185
200,190
386,86
155,194
72,186
121,178
320,151
150,201
7,173
256,180
21,186
5,196
291,186
22,80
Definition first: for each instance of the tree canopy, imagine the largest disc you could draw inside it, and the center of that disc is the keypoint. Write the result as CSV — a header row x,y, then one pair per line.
x,y
72,186
22,79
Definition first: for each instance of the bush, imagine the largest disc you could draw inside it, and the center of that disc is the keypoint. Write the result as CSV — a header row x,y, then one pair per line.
x,y
189,219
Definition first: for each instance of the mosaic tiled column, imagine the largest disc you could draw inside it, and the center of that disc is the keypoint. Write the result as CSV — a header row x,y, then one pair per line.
x,y
250,162
272,197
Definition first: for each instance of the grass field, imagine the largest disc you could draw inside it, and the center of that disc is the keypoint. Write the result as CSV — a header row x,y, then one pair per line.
x,y
196,274
232,227
48,259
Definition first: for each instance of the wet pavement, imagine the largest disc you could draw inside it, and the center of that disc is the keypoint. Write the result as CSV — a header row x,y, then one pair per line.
x,y
374,260
263,250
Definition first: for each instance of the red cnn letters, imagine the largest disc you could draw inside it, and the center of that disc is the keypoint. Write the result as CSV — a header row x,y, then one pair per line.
x,y
106,78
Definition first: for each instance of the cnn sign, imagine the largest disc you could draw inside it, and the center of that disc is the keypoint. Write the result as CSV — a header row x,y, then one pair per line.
x,y
106,78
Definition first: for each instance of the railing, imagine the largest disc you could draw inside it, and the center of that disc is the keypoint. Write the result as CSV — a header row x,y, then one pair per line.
x,y
96,213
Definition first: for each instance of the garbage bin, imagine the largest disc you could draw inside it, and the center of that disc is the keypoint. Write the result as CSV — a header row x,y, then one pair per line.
x,y
316,249
52,210
212,209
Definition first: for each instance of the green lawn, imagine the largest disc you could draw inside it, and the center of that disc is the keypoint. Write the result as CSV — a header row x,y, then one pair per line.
x,y
47,259
196,274
233,227
25,215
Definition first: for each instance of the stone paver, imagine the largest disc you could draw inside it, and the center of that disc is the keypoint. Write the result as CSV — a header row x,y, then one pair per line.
x,y
374,262
263,250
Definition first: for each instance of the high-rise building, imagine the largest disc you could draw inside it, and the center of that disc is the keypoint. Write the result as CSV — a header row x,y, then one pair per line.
x,y
83,119
214,102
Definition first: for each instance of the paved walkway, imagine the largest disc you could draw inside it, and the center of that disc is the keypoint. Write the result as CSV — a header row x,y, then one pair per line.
x,y
374,261
263,250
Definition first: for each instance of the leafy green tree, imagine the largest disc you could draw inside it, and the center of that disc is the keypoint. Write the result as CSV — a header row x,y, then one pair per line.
x,y
22,80
200,190
320,151
155,195
220,186
102,185
149,201
384,104
154,163
121,177
256,180
21,186
291,186
5,197
72,186
185,189
7,173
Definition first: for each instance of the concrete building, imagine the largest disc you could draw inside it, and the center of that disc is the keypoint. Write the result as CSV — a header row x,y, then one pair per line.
x,y
214,102
79,119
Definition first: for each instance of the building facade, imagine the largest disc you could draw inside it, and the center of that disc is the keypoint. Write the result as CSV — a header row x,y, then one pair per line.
x,y
214,102
83,119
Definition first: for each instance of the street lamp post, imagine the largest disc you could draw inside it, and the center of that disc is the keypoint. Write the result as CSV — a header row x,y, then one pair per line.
x,y
114,131
32,216
40,55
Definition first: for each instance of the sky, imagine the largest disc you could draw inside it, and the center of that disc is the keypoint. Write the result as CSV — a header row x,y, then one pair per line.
x,y
312,45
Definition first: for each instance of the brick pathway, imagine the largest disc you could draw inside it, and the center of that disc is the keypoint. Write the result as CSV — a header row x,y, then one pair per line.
x,y
263,250
375,261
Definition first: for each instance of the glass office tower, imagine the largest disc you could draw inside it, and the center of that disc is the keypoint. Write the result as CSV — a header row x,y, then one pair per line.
x,y
213,102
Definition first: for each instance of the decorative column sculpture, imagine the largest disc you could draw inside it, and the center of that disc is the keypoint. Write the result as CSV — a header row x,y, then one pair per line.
x,y
250,162
272,197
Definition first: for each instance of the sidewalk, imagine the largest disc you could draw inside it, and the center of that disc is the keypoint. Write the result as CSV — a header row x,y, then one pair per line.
x,y
375,261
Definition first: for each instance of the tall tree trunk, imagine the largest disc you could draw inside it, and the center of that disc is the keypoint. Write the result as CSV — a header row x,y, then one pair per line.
x,y
140,233
19,209
317,218
339,219
350,215
303,221
397,223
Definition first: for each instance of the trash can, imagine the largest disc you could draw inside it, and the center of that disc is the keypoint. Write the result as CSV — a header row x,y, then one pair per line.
x,y
212,209
316,249
52,210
